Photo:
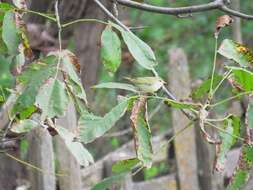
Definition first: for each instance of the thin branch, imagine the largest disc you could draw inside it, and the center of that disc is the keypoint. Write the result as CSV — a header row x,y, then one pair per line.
x,y
177,11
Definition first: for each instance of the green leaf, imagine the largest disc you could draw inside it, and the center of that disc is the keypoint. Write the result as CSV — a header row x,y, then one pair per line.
x,y
26,113
243,77
2,99
236,52
142,53
243,169
76,148
239,180
31,79
73,80
125,165
232,127
92,127
5,7
116,85
142,132
200,91
249,114
182,105
10,33
110,50
52,99
24,126
108,182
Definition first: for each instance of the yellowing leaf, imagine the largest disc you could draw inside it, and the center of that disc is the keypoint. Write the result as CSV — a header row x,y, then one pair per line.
x,y
237,52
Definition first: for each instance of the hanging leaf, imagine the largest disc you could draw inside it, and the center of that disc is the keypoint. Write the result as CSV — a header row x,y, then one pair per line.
x,y
232,127
116,85
10,34
182,105
249,114
142,132
31,80
52,99
108,182
124,165
76,148
92,127
110,50
24,126
71,66
204,88
236,52
243,170
142,53
222,22
243,78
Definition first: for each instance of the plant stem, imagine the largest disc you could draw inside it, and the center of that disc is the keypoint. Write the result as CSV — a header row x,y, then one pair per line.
x,y
224,131
210,95
39,13
82,20
229,99
220,83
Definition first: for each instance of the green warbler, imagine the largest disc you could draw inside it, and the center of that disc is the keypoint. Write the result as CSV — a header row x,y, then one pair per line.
x,y
147,84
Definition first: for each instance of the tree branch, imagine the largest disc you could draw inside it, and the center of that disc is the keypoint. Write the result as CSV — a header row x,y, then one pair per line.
x,y
215,5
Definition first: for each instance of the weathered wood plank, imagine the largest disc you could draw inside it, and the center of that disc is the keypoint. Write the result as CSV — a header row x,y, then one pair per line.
x,y
41,155
67,163
185,145
162,183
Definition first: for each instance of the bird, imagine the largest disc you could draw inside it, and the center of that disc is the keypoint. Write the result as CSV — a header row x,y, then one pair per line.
x,y
147,84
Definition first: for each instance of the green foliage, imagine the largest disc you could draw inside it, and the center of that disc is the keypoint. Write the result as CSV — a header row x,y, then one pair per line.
x,y
249,115
10,33
203,89
81,154
116,85
239,180
41,71
111,50
24,126
231,126
52,99
125,165
182,105
142,132
139,49
92,127
243,77
108,182
236,52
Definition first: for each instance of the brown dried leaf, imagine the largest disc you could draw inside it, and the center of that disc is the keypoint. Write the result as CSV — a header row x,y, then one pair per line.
x,y
222,22
142,133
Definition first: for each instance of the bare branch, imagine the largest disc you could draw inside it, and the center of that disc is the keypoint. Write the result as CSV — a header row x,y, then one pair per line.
x,y
215,5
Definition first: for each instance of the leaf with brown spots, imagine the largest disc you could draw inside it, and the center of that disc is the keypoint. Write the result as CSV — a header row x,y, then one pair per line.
x,y
142,132
222,22
236,52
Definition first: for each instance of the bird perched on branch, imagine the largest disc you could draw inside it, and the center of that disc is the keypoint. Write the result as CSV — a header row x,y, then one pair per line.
x,y
147,84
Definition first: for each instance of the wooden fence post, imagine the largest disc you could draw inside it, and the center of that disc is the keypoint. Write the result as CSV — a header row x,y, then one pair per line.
x,y
67,163
185,145
41,155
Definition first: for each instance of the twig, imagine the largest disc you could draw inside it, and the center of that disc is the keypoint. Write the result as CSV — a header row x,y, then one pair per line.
x,y
229,99
215,5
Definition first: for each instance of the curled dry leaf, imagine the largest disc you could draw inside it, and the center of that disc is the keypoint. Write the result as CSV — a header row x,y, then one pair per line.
x,y
202,117
142,132
222,22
